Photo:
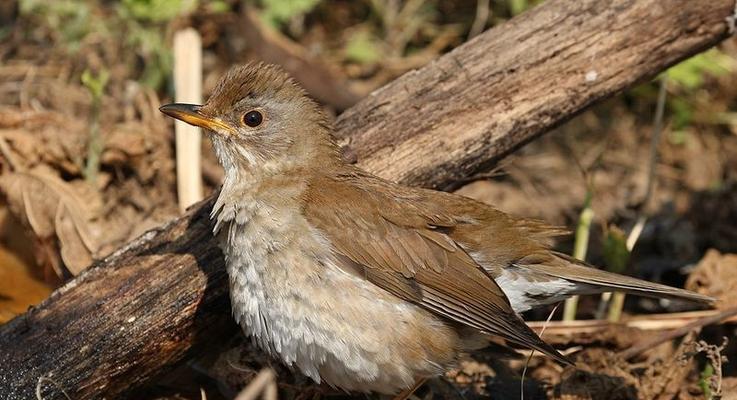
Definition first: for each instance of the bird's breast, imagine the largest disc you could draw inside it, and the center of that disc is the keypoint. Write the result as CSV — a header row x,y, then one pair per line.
x,y
297,304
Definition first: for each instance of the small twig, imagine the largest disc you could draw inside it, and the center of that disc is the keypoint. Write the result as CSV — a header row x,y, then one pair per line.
x,y
409,392
42,379
616,303
95,84
532,353
655,140
650,322
264,383
716,359
94,147
482,16
636,232
669,335
5,151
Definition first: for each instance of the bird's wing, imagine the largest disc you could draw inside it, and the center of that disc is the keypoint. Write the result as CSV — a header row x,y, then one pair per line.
x,y
402,244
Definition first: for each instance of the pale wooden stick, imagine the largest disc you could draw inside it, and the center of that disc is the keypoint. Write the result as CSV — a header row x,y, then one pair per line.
x,y
644,322
188,89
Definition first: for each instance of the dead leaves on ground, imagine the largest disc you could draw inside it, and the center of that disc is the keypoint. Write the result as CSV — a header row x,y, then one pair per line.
x,y
716,276
602,374
53,210
43,134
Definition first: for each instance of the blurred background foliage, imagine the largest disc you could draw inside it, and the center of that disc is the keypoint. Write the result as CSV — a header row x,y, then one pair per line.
x,y
358,32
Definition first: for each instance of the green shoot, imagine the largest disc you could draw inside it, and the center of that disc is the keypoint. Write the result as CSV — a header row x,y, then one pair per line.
x,y
96,86
580,248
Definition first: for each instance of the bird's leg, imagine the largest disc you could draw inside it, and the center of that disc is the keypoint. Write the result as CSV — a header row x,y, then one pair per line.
x,y
404,395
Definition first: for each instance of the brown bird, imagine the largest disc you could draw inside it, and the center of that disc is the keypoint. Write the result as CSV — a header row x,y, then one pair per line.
x,y
359,282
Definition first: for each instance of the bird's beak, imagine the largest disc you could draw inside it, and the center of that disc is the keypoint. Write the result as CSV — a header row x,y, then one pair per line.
x,y
191,114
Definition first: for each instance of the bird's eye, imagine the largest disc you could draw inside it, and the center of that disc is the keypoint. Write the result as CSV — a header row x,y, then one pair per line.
x,y
253,118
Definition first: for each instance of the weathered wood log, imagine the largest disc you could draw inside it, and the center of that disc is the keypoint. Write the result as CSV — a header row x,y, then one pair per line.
x,y
514,82
157,301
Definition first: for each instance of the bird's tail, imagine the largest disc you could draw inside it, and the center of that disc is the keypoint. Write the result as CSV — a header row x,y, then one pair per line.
x,y
592,280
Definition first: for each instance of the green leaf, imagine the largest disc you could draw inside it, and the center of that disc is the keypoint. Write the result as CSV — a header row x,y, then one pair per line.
x,y
71,18
218,6
616,255
95,83
158,10
689,74
518,6
362,48
276,12
682,111
704,381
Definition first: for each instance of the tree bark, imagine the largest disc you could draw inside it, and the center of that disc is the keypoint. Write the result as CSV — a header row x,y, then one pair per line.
x,y
159,300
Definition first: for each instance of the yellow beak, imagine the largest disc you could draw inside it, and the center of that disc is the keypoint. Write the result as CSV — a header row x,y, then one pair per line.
x,y
190,113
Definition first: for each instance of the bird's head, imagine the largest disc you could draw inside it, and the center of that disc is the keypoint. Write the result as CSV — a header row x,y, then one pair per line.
x,y
259,118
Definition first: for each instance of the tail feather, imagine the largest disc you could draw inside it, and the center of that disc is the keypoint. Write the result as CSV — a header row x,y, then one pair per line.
x,y
604,281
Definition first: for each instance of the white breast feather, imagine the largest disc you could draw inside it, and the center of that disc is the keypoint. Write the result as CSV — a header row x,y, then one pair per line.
x,y
286,293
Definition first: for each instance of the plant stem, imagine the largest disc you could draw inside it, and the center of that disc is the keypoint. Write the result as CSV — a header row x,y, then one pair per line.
x,y
580,247
617,301
94,147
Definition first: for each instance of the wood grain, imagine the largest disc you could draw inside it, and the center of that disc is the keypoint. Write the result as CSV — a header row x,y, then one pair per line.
x,y
162,298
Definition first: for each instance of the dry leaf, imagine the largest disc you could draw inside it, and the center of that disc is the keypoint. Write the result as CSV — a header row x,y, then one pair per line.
x,y
19,289
51,208
715,276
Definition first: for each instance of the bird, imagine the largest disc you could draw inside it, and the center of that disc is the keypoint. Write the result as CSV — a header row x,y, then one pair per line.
x,y
356,281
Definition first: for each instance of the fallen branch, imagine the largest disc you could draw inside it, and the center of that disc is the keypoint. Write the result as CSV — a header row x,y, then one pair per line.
x,y
162,298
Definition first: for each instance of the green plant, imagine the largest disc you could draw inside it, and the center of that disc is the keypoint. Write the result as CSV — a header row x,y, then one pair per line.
x,y
705,380
218,6
616,255
580,247
144,24
689,75
140,23
72,19
519,6
277,12
95,84
362,48
157,10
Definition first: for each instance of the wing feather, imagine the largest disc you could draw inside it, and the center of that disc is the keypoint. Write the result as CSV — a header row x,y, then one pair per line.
x,y
406,250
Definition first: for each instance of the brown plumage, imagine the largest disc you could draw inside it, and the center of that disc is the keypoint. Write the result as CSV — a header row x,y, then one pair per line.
x,y
356,280
401,240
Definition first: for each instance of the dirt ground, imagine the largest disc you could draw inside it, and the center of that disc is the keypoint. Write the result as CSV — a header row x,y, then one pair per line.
x,y
56,216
